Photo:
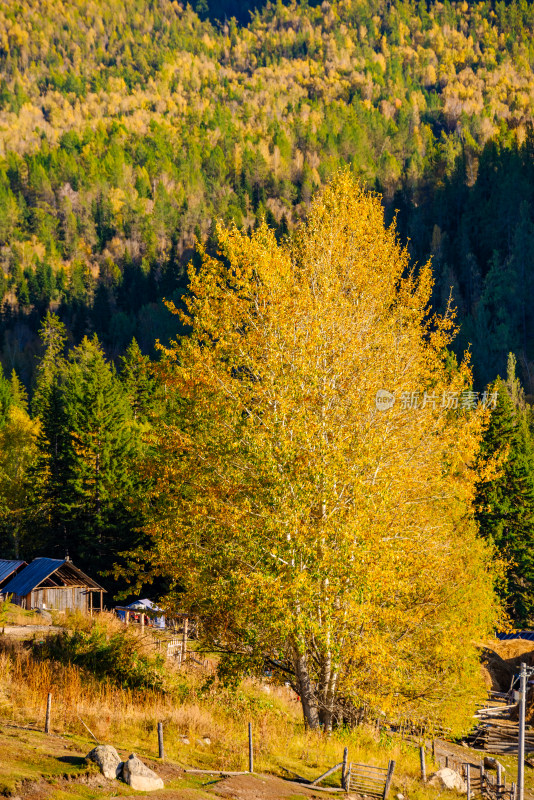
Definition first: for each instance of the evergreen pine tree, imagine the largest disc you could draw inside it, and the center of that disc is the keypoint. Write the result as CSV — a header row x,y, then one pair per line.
x,y
19,395
102,450
138,380
6,397
505,502
84,477
53,336
52,500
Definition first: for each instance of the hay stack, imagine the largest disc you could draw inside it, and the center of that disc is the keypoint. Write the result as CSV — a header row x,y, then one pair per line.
x,y
497,672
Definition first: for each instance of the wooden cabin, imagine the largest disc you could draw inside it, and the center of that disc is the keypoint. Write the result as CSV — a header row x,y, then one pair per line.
x,y
51,583
8,570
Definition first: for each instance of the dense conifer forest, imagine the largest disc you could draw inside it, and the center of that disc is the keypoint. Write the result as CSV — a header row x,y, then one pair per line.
x,y
128,130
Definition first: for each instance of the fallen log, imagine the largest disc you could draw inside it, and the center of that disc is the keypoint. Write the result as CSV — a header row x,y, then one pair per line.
x,y
215,772
326,774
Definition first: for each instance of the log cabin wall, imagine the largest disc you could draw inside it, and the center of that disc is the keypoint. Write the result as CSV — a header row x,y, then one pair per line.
x,y
53,584
61,599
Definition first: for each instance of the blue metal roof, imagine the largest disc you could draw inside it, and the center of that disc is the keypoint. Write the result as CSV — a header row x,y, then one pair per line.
x,y
528,635
7,568
32,575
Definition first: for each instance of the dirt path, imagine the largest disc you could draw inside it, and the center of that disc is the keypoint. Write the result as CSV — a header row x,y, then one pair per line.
x,y
29,631
266,787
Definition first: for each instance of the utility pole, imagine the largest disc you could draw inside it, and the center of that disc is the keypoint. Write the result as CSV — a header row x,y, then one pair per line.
x,y
521,742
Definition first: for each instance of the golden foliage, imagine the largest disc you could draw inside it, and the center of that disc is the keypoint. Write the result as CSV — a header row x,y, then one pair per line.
x,y
305,523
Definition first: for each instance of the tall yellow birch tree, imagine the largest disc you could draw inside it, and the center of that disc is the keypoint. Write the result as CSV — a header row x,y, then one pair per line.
x,y
305,525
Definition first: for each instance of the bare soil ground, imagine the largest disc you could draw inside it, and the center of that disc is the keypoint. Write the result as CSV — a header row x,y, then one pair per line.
x,y
265,787
29,631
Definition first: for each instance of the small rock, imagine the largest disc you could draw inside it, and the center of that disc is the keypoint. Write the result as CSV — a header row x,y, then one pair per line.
x,y
184,740
206,740
399,796
448,779
464,744
139,776
107,759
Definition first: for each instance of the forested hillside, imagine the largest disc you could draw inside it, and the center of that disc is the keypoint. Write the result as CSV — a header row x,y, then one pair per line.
x,y
223,241
127,129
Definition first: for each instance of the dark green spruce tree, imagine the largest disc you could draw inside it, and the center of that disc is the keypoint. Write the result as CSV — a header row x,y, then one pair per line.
x,y
6,397
505,502
87,489
49,512
102,445
53,337
137,378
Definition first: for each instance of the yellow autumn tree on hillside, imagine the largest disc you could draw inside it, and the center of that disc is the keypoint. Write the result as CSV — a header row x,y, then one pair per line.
x,y
309,526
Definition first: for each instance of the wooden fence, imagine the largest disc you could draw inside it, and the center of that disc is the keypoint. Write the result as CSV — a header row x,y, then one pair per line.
x,y
370,781
479,780
173,648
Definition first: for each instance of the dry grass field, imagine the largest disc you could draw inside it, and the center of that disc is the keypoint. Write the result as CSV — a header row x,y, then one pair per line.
x,y
205,726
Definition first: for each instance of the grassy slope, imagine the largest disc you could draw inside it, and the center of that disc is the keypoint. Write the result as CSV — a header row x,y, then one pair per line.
x,y
190,711
34,765
28,755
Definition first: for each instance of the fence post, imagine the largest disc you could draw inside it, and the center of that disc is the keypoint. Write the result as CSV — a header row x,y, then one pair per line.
x,y
423,763
184,638
250,753
499,780
468,780
344,768
48,712
446,762
389,777
160,740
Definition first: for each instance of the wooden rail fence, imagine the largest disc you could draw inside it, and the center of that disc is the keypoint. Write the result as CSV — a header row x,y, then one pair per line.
x,y
479,780
370,781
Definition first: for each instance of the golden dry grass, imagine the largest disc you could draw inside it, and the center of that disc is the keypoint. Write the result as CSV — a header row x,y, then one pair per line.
x,y
128,719
192,712
15,615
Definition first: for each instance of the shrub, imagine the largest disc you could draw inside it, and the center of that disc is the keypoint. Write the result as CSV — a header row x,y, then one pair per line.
x,y
118,655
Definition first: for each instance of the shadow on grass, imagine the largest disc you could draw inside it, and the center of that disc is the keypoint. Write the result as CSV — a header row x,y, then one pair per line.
x,y
75,761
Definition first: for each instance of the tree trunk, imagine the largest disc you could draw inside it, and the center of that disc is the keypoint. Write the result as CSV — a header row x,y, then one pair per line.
x,y
306,692
328,695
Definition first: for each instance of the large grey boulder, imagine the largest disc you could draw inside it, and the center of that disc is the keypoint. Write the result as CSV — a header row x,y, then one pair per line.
x,y
139,776
107,759
448,779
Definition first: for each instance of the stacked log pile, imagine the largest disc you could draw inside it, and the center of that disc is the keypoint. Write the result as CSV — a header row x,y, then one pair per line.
x,y
500,737
497,733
